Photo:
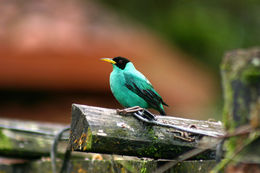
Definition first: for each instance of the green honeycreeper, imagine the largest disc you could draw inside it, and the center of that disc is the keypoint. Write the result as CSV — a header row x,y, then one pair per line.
x,y
131,88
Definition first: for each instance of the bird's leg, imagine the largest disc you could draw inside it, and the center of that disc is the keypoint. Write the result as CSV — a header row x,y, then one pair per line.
x,y
130,110
134,109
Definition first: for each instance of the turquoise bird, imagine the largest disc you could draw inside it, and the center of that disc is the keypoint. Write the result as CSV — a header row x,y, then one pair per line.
x,y
131,88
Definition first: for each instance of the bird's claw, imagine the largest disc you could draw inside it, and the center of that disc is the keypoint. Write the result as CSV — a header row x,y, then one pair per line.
x,y
129,110
138,110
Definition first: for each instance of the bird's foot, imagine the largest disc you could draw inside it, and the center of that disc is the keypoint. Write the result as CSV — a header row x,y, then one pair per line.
x,y
129,110
138,110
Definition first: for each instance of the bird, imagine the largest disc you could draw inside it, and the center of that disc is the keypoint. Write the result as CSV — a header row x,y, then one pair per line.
x,y
131,88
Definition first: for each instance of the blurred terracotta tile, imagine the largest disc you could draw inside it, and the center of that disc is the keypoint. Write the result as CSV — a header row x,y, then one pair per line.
x,y
53,46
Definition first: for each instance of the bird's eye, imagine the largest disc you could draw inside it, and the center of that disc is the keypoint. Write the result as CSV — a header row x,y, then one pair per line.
x,y
120,61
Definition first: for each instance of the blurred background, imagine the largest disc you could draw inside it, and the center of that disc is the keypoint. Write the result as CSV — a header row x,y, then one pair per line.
x,y
50,52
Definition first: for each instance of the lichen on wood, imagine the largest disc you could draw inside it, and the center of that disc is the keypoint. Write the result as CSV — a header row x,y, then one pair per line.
x,y
102,130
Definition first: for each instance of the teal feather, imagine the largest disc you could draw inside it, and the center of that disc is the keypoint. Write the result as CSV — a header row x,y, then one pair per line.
x,y
131,88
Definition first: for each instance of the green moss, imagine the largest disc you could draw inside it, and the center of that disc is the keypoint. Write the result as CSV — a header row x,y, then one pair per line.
x,y
231,145
245,76
127,165
88,143
132,166
225,66
251,75
5,143
228,97
248,76
151,133
120,132
144,167
151,150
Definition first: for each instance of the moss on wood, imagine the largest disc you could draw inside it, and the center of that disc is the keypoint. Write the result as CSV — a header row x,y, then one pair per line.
x,y
110,166
101,130
26,142
240,72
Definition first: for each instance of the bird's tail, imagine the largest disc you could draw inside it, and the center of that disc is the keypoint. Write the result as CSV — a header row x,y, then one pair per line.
x,y
162,112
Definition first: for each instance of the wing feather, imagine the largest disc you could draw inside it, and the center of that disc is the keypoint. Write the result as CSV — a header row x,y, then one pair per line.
x,y
143,88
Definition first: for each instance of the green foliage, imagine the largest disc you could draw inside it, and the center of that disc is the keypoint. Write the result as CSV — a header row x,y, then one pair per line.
x,y
204,29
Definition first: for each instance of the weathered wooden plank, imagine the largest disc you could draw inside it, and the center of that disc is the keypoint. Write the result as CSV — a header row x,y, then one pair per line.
x,y
101,130
109,166
28,139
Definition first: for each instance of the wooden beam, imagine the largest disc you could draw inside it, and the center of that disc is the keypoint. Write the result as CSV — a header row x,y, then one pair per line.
x,y
28,139
102,130
110,166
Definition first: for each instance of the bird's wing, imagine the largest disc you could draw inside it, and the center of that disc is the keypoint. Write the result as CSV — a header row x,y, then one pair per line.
x,y
143,88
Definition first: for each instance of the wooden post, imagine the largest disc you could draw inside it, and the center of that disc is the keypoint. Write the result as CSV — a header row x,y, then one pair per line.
x,y
240,71
102,130
241,83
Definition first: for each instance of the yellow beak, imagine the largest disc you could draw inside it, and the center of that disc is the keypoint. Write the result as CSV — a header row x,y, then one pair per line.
x,y
108,60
